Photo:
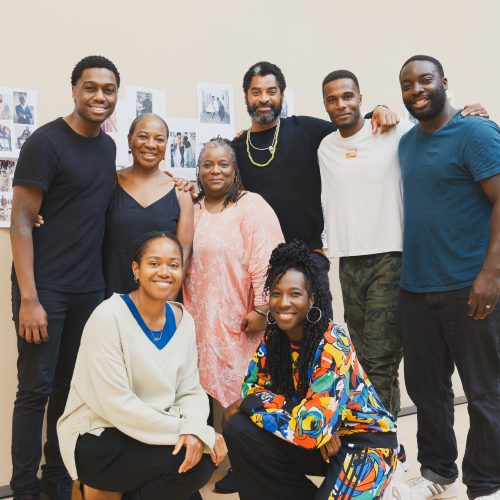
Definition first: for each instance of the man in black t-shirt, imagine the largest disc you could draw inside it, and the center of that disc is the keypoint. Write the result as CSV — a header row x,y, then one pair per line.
x,y
278,158
66,173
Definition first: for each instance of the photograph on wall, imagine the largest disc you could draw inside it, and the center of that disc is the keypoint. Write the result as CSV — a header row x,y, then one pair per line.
x,y
182,148
141,100
7,168
215,110
18,118
5,138
6,106
24,107
21,134
117,127
287,108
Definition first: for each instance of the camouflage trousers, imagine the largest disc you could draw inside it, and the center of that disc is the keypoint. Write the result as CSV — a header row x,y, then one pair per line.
x,y
370,289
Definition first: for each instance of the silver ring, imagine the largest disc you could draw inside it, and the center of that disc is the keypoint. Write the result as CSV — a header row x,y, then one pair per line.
x,y
487,306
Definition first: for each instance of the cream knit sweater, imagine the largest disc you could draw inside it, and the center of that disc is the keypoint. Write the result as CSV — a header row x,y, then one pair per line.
x,y
122,380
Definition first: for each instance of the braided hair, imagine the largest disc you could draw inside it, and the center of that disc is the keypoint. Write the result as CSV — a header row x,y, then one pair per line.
x,y
234,193
294,255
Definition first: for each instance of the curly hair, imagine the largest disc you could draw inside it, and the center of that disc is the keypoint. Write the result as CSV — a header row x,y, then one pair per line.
x,y
234,193
93,62
293,255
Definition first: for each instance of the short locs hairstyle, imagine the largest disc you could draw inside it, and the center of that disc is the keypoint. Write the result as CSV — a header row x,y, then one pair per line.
x,y
337,75
236,190
420,57
264,68
93,62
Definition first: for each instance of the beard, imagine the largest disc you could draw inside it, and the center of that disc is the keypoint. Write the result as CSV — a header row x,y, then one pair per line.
x,y
437,103
268,116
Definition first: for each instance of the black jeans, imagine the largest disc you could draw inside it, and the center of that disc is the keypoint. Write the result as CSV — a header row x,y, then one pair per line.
x,y
437,335
44,374
114,461
323,265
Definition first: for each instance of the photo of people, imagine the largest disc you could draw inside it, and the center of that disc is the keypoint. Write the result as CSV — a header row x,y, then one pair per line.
x,y
17,119
110,125
144,103
215,108
7,168
5,105
215,111
182,147
5,137
142,100
23,109
22,132
287,108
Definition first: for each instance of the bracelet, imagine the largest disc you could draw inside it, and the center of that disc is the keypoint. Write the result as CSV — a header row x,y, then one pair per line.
x,y
262,313
383,105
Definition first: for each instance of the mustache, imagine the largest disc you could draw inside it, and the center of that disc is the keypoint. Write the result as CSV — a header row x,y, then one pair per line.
x,y
269,105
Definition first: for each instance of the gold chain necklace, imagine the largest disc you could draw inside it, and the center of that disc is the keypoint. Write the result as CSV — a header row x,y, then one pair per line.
x,y
135,300
272,148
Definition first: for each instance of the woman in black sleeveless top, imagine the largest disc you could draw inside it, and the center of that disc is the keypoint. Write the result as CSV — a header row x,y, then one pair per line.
x,y
145,200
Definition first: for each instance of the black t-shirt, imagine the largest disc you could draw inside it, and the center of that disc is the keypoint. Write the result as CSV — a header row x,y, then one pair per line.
x,y
78,176
291,183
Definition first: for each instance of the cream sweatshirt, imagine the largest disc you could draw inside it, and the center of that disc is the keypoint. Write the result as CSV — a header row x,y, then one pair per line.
x,y
122,380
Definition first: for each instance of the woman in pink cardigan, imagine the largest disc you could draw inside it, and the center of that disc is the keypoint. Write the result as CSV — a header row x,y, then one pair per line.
x,y
235,233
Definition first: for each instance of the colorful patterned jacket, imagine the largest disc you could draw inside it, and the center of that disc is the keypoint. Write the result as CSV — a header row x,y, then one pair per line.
x,y
340,399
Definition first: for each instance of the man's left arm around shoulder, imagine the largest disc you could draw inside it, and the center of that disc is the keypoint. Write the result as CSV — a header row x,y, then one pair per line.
x,y
485,290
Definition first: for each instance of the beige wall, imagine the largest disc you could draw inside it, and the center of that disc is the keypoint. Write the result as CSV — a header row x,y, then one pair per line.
x,y
172,45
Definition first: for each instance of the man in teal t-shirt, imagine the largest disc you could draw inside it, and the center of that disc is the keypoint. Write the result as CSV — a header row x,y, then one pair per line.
x,y
450,282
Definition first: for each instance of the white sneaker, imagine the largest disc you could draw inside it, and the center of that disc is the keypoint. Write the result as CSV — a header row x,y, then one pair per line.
x,y
421,488
405,463
492,496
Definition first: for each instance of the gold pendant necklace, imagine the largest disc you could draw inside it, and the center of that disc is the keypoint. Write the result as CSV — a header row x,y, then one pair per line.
x,y
135,300
272,148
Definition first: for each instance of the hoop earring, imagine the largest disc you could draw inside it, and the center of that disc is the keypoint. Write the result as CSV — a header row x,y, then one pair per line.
x,y
270,319
319,317
136,279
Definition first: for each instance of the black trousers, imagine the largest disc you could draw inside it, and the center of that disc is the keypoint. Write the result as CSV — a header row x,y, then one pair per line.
x,y
116,462
269,468
44,374
437,335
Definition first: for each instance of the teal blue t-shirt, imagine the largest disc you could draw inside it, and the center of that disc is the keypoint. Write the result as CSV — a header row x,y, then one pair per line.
x,y
446,213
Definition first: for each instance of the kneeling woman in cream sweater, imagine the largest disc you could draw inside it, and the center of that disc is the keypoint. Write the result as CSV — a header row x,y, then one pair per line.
x,y
135,420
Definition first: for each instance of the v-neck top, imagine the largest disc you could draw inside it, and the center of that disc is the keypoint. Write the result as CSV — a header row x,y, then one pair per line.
x,y
158,338
127,220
